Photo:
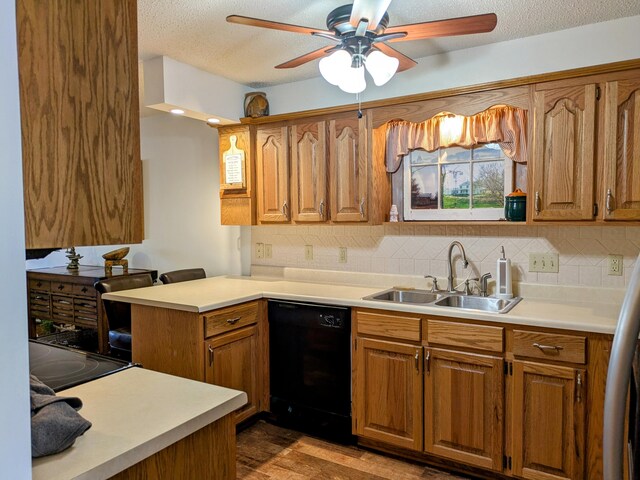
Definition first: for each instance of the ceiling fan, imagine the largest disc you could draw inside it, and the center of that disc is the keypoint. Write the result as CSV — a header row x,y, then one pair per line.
x,y
360,32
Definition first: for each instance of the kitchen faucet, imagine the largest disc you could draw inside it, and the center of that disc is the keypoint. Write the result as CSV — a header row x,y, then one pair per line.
x,y
450,288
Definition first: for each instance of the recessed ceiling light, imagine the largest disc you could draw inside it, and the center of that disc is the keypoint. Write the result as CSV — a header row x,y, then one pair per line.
x,y
213,120
177,111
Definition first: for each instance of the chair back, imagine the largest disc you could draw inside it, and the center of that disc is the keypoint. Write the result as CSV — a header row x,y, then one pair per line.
x,y
119,313
183,275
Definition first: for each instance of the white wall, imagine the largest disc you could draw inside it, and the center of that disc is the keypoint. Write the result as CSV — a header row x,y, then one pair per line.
x,y
594,44
15,443
181,181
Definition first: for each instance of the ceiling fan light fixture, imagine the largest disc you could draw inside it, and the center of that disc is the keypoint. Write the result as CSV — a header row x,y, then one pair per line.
x,y
352,80
381,67
333,67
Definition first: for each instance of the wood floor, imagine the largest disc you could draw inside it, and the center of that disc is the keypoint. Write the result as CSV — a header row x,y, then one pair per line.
x,y
266,451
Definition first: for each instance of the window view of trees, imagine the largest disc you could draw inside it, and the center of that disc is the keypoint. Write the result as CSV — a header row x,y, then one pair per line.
x,y
457,179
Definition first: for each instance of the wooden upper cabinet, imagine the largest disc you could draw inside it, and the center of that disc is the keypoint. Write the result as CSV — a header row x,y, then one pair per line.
x,y
237,205
388,392
621,188
548,418
564,126
348,163
463,407
309,172
272,163
78,67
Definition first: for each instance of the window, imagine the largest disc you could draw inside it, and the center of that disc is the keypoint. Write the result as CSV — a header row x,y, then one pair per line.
x,y
457,183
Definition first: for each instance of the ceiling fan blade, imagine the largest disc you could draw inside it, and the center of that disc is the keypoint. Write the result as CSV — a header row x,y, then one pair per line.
x,y
372,10
257,22
405,62
307,57
444,28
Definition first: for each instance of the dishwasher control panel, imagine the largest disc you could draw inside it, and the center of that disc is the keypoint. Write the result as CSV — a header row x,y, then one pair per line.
x,y
331,321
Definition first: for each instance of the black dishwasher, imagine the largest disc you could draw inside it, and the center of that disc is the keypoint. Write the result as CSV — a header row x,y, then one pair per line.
x,y
310,368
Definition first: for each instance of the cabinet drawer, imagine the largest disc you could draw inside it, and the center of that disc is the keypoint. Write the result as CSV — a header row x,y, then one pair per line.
x,y
552,346
41,285
227,319
61,287
61,303
39,299
84,290
480,337
385,325
85,321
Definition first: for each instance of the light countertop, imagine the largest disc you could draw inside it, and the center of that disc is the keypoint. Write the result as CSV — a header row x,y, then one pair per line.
x,y
134,414
216,292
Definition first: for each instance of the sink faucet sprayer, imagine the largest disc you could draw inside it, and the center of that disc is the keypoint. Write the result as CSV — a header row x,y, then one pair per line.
x,y
450,264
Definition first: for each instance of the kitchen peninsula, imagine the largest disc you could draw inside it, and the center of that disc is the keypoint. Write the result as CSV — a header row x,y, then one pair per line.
x,y
147,424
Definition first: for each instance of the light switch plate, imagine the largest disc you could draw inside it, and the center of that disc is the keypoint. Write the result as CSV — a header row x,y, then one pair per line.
x,y
259,250
308,252
543,262
342,255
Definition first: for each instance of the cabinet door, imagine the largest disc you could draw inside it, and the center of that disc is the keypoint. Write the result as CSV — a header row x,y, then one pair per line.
x,y
548,421
388,405
272,159
348,167
622,150
309,172
463,407
78,65
563,152
232,361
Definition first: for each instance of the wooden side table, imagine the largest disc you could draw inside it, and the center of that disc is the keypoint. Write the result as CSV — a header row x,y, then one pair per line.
x,y
68,296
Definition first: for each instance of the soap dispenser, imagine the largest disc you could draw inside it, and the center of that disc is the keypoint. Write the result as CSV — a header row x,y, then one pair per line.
x,y
503,280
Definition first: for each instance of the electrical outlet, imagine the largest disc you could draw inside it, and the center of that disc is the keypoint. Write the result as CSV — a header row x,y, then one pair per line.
x,y
615,265
543,262
267,250
308,252
259,250
342,255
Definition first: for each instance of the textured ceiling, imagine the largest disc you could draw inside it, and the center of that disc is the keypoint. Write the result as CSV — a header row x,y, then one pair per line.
x,y
195,31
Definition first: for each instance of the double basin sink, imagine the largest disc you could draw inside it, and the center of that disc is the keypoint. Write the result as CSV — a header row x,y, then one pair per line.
x,y
446,300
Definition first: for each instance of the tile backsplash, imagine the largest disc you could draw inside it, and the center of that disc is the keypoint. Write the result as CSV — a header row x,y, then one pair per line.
x,y
410,249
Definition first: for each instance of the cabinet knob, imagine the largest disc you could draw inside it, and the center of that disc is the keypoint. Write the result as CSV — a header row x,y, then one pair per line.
x,y
609,202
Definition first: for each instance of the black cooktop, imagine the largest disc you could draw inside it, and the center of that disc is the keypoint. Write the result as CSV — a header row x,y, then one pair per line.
x,y
60,367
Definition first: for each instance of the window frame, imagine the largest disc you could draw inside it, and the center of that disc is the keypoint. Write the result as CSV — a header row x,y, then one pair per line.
x,y
478,214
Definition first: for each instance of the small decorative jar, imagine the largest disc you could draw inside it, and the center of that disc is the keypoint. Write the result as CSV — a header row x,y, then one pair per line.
x,y
515,206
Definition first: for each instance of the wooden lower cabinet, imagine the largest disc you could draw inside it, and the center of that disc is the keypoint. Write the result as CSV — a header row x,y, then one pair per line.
x,y
388,396
548,421
463,407
232,361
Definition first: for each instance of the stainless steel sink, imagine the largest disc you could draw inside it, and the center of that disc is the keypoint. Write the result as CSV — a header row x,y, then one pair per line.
x,y
445,300
397,295
472,302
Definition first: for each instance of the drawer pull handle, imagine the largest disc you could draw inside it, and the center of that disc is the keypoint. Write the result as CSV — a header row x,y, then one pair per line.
x,y
210,356
60,287
63,302
548,348
233,321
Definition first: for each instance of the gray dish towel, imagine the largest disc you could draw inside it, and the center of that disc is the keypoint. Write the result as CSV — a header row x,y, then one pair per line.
x,y
55,423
